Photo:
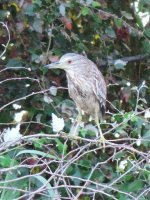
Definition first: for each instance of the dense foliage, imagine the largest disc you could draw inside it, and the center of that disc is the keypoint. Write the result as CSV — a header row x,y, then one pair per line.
x,y
36,162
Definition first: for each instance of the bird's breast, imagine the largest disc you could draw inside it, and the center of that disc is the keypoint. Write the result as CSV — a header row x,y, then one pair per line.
x,y
82,93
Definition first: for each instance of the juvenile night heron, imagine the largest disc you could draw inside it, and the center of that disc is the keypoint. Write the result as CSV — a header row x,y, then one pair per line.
x,y
86,85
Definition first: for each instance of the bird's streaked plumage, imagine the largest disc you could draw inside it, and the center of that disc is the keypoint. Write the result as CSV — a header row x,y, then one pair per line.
x,y
86,84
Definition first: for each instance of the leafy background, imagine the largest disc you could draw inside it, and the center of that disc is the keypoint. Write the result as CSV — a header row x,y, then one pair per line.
x,y
48,165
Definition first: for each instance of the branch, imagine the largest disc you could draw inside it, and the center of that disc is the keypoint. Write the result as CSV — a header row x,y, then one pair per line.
x,y
5,46
103,63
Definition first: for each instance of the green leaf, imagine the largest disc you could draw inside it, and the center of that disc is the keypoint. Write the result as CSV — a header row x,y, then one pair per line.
x,y
38,2
127,15
145,2
61,146
6,161
85,11
18,184
77,174
5,117
40,181
146,141
123,197
30,10
38,25
146,46
35,152
14,63
119,155
147,32
96,4
118,22
110,32
135,186
39,143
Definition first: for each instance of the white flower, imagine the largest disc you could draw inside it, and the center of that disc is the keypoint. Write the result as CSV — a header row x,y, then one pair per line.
x,y
53,90
138,142
57,123
38,118
19,116
119,64
7,14
147,114
3,57
12,135
16,106
47,99
122,165
128,83
27,85
117,135
144,17
143,83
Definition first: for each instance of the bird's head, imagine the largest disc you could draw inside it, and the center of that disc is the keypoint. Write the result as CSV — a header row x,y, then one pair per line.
x,y
67,62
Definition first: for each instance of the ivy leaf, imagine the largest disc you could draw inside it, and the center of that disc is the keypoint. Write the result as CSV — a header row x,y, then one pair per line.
x,y
14,63
118,22
85,11
30,10
127,15
37,25
135,186
147,32
110,32
6,161
62,147
38,2
96,4
146,46
40,181
146,136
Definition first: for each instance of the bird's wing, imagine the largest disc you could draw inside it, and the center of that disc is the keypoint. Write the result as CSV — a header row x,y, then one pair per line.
x,y
100,90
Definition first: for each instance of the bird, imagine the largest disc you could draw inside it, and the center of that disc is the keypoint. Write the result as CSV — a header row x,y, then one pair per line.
x,y
86,86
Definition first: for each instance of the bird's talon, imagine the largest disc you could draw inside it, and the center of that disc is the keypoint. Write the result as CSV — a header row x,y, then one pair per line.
x,y
102,140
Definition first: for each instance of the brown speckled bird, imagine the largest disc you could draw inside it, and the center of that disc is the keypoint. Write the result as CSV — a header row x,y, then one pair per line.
x,y
86,85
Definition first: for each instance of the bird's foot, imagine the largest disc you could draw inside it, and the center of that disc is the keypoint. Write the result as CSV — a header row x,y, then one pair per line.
x,y
103,141
73,135
75,140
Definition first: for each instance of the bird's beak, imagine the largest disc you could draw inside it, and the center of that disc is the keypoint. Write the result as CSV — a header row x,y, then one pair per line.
x,y
53,65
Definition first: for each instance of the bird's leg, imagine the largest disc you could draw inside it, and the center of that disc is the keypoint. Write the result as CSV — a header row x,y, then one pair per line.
x,y
100,131
75,126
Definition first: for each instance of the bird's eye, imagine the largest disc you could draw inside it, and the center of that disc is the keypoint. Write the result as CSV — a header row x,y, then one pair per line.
x,y
69,61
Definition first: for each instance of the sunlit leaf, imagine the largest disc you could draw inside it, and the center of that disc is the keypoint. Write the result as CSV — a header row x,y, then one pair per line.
x,y
127,15
96,4
85,11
